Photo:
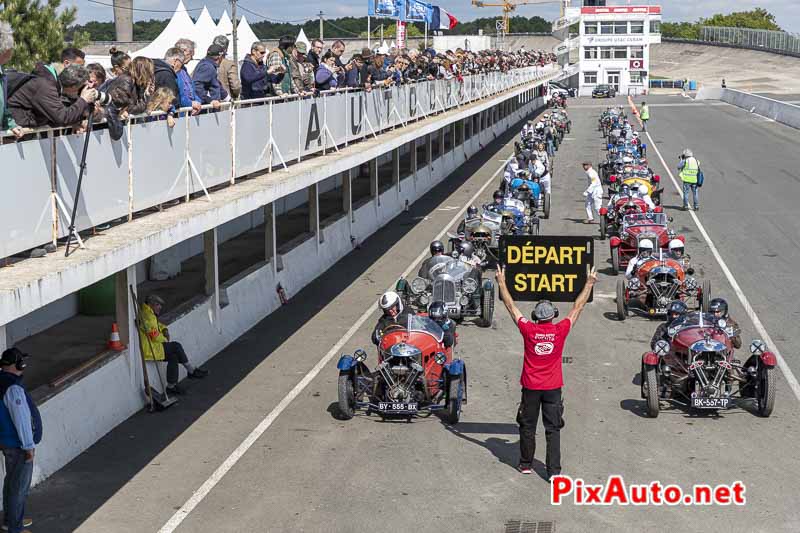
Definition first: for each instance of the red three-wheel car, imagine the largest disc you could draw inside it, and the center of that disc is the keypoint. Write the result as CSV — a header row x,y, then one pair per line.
x,y
652,226
416,374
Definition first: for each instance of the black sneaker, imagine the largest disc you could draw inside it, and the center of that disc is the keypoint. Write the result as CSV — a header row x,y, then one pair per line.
x,y
175,390
198,373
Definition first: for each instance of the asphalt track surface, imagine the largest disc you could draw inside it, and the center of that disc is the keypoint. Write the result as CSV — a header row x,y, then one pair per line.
x,y
311,472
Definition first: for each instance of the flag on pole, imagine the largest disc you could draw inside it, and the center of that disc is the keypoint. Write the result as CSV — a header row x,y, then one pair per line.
x,y
416,11
442,20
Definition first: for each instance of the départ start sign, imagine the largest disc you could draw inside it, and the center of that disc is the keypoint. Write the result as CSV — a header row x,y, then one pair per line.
x,y
548,267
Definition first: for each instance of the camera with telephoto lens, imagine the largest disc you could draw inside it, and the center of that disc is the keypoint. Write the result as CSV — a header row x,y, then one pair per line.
x,y
103,98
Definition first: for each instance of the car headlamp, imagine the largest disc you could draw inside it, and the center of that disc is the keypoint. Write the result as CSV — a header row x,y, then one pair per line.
x,y
758,347
633,284
440,358
690,283
418,285
661,348
470,285
360,355
722,323
464,300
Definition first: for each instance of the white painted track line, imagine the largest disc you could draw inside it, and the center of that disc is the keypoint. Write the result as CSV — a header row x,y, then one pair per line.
x,y
204,489
748,309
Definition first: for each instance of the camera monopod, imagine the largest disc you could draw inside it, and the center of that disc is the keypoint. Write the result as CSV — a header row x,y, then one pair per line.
x,y
80,180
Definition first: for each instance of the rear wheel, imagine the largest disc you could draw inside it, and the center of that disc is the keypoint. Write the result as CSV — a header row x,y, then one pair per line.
x,y
487,306
615,260
653,405
765,391
622,304
455,393
546,205
347,400
706,296
603,227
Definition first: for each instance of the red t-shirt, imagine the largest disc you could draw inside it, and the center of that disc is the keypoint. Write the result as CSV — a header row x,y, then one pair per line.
x,y
544,343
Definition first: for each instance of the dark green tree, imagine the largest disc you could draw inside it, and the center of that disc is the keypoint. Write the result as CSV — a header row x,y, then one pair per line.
x,y
39,30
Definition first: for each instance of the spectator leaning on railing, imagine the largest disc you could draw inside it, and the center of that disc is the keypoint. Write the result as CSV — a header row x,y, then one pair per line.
x,y
283,56
206,79
228,72
166,74
326,73
304,78
186,93
37,102
6,51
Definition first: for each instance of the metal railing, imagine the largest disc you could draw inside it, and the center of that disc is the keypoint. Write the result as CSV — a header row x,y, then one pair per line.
x,y
777,42
153,164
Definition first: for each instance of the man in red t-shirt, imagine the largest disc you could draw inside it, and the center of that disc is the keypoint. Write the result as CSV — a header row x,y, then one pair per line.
x,y
541,373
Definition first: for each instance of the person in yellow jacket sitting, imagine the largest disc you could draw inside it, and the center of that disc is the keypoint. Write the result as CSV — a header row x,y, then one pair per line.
x,y
157,346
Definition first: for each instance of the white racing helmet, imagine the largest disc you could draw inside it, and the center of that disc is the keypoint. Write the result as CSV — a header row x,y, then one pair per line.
x,y
676,245
646,246
389,300
643,189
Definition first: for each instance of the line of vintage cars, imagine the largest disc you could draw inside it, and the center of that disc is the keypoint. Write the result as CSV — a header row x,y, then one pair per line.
x,y
695,364
417,371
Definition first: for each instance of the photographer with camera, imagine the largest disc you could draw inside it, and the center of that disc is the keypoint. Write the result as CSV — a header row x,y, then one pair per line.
x,y
37,100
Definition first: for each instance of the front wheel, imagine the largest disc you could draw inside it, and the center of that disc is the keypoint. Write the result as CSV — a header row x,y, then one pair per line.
x,y
487,306
653,405
615,260
622,304
347,399
706,296
546,205
455,393
603,228
765,391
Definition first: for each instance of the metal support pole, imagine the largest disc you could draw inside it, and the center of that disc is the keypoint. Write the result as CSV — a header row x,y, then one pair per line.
x,y
235,40
321,15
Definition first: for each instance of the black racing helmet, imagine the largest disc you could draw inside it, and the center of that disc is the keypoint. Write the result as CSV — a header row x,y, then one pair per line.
x,y
437,247
437,311
472,212
465,248
718,305
498,194
676,309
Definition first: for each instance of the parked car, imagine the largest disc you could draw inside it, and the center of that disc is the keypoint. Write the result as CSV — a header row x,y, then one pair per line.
x,y
604,91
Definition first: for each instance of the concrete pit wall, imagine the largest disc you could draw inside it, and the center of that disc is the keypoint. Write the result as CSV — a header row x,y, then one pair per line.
x,y
776,110
86,410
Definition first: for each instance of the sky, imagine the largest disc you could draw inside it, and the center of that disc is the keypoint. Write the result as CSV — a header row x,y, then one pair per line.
x,y
787,12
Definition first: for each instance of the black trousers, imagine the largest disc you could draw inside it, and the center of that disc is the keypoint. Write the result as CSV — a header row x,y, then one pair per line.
x,y
549,401
174,354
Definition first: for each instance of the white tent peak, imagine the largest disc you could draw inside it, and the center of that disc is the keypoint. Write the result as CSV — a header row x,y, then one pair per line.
x,y
179,26
301,38
225,25
204,32
245,36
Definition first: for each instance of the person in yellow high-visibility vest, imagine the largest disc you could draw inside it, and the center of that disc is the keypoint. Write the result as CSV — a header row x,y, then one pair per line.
x,y
644,115
157,345
688,169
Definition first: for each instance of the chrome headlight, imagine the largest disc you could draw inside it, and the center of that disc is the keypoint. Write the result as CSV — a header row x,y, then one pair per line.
x,y
690,283
633,284
424,299
661,348
722,323
757,347
359,355
418,285
440,358
464,300
470,285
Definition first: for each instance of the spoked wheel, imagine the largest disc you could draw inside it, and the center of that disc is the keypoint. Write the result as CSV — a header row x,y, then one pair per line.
x,y
347,400
653,405
487,306
615,260
765,390
622,304
455,393
706,296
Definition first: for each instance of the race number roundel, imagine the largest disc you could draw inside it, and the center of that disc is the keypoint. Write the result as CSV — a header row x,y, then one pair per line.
x,y
637,64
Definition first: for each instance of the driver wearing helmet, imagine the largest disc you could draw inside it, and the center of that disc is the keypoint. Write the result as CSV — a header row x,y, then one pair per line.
x,y
437,311
394,314
645,252
497,205
624,192
472,214
676,248
719,308
466,253
437,250
675,310
643,193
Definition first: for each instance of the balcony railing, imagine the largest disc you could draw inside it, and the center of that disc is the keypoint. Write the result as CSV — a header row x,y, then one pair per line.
x,y
153,164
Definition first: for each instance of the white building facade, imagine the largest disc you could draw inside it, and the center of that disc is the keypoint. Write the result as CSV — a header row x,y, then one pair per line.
x,y
615,46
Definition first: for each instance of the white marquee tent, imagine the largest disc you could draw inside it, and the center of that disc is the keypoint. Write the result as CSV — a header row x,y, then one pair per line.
x,y
180,26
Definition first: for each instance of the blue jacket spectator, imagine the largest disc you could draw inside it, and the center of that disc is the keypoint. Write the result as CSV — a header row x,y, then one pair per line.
x,y
326,77
257,79
187,93
206,79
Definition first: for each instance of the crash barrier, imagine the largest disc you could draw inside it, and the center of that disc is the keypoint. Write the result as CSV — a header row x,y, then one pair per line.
x,y
779,42
153,164
776,110
666,84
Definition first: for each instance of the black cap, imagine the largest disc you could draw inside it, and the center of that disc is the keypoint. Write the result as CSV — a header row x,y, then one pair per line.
x,y
215,50
286,41
11,356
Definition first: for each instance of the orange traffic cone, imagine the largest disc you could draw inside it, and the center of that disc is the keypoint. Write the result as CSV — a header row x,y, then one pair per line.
x,y
114,342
